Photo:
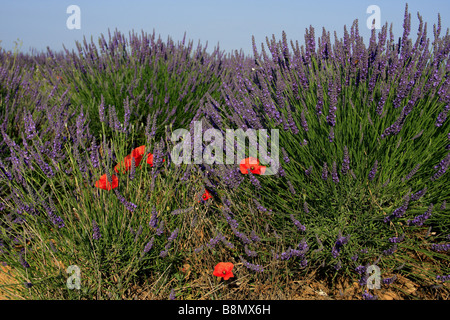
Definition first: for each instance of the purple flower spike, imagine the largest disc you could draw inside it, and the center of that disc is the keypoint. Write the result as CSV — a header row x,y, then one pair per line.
x,y
373,172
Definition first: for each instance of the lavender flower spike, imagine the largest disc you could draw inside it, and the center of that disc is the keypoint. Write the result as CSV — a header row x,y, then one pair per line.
x,y
373,172
96,231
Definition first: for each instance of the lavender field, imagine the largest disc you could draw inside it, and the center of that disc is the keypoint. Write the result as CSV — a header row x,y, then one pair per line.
x,y
87,177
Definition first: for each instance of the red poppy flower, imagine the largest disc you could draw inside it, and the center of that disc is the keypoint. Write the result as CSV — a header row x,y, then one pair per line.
x,y
223,269
251,164
137,154
104,184
150,159
206,196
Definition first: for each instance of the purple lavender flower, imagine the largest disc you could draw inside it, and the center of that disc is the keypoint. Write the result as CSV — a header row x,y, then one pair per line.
x,y
309,170
331,117
390,251
214,241
334,173
319,105
443,278
96,231
260,208
94,155
345,162
442,116
30,126
23,262
154,218
419,220
160,229
373,171
254,236
331,136
388,281
440,247
285,155
360,269
172,295
305,207
325,171
101,110
255,182
180,211
413,172
419,194
251,266
303,121
173,235
149,245
297,223
397,213
129,205
441,168
397,239
368,296
340,242
250,253
443,206
291,187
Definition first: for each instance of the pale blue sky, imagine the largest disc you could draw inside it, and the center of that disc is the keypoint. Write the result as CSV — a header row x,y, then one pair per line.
x,y
230,23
